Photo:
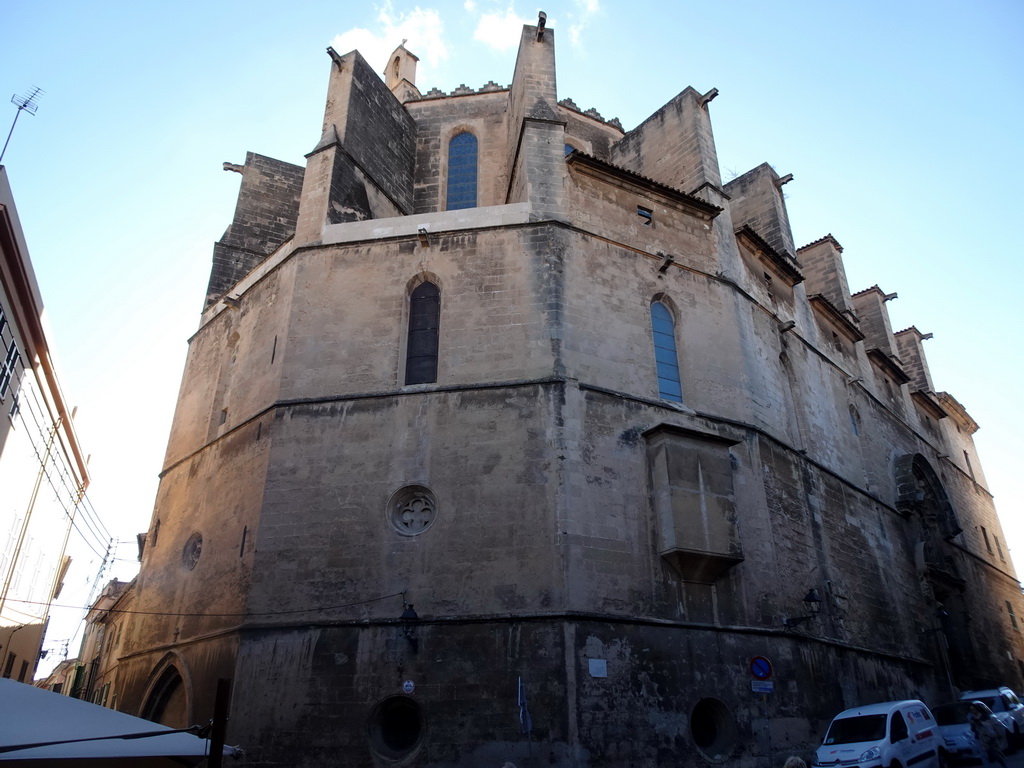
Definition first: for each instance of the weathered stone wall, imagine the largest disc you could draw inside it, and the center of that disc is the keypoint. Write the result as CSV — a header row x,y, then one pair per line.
x,y
379,134
530,534
755,199
234,366
265,216
325,519
437,121
589,134
674,146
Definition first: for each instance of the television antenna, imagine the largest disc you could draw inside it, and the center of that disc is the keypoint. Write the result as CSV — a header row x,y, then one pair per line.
x,y
29,102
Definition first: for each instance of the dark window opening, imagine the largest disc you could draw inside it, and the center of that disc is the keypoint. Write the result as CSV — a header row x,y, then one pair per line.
x,y
11,360
462,172
898,728
1013,616
422,343
646,215
988,544
192,551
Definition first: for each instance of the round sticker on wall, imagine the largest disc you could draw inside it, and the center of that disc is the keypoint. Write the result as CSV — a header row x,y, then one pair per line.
x,y
408,686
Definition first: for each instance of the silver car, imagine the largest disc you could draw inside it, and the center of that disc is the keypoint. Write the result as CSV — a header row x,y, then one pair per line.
x,y
1006,708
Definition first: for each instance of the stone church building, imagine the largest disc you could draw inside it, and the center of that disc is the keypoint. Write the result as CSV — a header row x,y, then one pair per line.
x,y
510,435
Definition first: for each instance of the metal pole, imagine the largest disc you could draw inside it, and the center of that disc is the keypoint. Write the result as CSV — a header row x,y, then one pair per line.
x,y
10,133
220,722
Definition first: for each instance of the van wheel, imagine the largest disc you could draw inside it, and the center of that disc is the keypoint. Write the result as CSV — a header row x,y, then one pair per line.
x,y
896,764
944,759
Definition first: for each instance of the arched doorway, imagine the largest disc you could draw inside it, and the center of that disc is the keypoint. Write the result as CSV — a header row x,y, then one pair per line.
x,y
922,497
168,701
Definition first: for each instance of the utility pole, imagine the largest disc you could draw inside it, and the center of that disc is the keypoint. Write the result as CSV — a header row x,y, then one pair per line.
x,y
27,102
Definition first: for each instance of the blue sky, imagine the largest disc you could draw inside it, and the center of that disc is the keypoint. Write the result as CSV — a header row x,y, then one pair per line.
x,y
900,122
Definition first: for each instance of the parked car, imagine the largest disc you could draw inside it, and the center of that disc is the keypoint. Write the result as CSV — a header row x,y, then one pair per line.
x,y
893,733
1006,708
956,731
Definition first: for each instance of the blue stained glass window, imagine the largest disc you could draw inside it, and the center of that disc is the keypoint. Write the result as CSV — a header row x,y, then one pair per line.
x,y
462,172
665,357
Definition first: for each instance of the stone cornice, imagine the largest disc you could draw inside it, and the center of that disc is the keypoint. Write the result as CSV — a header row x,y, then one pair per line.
x,y
781,264
958,412
835,317
889,366
612,173
928,404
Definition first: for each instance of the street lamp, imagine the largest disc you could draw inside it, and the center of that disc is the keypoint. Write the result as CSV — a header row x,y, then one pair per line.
x,y
812,604
409,619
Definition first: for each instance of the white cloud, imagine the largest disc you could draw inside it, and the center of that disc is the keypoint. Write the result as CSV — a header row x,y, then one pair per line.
x,y
421,27
502,30
469,5
585,10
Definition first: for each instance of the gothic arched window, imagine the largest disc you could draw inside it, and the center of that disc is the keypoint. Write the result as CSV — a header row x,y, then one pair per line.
x,y
664,329
462,172
421,345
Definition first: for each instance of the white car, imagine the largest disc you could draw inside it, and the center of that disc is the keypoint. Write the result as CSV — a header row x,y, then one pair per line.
x,y
956,732
893,733
1006,708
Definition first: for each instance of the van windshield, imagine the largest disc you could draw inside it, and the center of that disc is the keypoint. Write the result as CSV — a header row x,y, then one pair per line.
x,y
850,730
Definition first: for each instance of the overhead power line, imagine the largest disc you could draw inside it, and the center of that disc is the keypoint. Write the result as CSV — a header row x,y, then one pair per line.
x,y
245,614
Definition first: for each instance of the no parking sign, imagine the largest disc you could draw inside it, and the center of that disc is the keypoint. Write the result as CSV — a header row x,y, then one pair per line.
x,y
760,668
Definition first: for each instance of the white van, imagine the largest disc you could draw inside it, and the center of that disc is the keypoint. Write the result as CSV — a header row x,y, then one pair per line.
x,y
893,734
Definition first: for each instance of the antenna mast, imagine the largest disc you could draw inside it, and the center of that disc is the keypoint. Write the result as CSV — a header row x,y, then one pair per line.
x,y
27,102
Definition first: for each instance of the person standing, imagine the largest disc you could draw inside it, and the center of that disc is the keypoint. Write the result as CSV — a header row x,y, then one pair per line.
x,y
987,730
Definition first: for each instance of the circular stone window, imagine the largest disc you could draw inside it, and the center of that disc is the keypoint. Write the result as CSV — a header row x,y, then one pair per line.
x,y
192,550
396,728
713,729
413,509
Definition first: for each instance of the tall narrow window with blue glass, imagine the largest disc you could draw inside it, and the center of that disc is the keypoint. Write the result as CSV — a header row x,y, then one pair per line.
x,y
462,172
664,329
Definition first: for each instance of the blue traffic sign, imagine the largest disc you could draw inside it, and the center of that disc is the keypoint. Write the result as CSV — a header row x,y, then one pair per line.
x,y
760,668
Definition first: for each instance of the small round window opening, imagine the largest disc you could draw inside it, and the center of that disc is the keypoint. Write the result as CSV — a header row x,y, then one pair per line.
x,y
412,509
396,728
192,550
713,729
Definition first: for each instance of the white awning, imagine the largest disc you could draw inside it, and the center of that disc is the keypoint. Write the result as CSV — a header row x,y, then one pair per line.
x,y
88,734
